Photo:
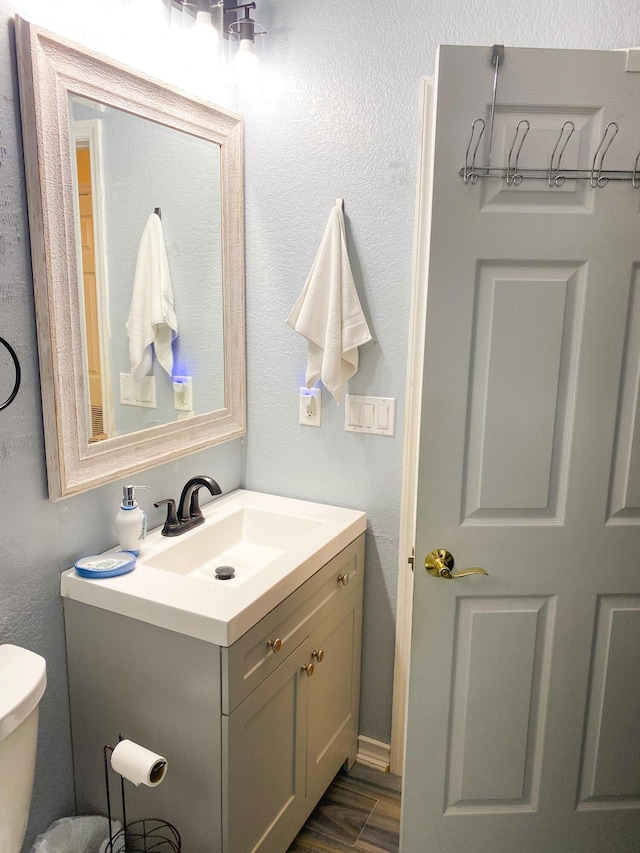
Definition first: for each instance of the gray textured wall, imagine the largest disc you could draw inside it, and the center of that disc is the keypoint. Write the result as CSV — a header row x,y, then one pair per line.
x,y
344,123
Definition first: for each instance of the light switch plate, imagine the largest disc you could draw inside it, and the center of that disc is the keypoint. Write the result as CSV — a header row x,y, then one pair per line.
x,y
375,415
141,393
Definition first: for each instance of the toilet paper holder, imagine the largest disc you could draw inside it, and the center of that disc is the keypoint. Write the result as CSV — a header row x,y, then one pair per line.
x,y
148,833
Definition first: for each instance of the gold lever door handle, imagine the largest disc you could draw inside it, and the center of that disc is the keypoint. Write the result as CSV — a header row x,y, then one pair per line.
x,y
440,562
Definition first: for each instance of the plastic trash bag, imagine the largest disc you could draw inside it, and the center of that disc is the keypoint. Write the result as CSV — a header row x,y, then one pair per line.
x,y
76,835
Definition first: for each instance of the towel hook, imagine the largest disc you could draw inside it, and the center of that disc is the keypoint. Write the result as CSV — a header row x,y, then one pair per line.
x,y
635,175
16,384
469,175
554,178
597,178
340,203
512,177
158,212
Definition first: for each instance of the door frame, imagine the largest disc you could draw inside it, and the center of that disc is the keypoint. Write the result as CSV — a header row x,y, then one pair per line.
x,y
87,133
413,407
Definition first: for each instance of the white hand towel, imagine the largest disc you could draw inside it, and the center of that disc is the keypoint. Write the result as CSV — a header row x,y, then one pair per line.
x,y
328,312
152,319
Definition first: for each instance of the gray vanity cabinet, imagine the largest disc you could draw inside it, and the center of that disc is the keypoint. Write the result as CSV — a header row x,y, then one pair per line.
x,y
252,735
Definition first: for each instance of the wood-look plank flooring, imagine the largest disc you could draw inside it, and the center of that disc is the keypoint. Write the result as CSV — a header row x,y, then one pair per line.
x,y
359,811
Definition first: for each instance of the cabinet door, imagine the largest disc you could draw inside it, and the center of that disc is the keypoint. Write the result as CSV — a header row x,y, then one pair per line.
x,y
264,758
334,694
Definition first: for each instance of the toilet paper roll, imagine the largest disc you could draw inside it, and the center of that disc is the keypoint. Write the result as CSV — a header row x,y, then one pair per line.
x,y
137,764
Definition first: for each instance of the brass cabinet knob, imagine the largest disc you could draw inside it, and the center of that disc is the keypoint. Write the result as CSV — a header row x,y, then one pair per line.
x,y
440,562
275,645
319,655
343,579
308,668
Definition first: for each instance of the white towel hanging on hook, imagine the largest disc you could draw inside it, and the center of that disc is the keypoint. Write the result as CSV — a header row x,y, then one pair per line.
x,y
328,312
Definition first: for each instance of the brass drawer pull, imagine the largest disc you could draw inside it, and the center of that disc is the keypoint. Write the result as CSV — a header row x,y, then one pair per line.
x,y
308,668
343,579
275,645
319,655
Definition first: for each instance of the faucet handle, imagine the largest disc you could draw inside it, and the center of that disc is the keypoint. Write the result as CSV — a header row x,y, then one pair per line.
x,y
171,525
194,505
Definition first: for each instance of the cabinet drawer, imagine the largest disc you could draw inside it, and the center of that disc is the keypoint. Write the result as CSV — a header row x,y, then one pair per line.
x,y
253,657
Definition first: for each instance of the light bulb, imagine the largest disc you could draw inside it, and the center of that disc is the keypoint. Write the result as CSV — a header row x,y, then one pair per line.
x,y
245,60
204,33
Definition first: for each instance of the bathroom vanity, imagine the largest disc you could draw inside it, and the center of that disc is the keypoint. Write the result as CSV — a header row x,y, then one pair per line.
x,y
255,715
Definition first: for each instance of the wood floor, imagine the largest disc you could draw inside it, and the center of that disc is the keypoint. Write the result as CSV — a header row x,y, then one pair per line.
x,y
360,811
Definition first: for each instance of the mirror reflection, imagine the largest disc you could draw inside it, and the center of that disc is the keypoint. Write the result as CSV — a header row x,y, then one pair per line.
x,y
148,227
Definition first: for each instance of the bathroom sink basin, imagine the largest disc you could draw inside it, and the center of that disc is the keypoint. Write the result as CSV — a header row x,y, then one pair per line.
x,y
248,541
274,545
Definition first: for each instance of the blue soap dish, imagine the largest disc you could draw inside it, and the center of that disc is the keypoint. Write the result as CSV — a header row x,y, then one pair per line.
x,y
106,565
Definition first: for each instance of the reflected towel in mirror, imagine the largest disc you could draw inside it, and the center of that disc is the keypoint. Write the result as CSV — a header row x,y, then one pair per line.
x,y
152,319
328,312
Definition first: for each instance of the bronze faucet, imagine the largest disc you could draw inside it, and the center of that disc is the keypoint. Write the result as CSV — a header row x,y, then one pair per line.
x,y
189,514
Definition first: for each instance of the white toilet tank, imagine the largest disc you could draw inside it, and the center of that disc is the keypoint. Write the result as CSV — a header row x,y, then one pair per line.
x,y
23,677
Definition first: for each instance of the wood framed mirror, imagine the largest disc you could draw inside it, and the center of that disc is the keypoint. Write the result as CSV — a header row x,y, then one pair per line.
x,y
142,148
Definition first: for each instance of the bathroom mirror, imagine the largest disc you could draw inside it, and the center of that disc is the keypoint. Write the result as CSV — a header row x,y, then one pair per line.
x,y
142,150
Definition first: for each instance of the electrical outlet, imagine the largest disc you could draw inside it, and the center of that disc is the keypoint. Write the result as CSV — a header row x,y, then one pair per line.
x,y
182,394
310,406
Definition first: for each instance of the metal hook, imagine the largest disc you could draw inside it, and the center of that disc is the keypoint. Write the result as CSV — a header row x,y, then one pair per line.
x,y
635,175
513,178
469,175
597,178
554,178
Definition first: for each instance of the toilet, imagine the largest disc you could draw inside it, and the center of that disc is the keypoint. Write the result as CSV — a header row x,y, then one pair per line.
x,y
23,677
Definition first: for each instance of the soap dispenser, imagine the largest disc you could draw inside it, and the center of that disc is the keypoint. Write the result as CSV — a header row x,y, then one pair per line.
x,y
131,521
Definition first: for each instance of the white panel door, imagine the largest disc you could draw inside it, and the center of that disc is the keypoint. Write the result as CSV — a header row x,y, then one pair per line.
x,y
524,703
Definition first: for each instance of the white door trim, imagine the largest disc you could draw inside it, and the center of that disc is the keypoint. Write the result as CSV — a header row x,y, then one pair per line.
x,y
88,132
413,397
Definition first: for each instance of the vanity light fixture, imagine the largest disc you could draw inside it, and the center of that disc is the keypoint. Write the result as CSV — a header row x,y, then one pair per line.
x,y
242,30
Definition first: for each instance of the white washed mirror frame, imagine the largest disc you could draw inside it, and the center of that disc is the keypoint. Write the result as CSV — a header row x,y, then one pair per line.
x,y
49,68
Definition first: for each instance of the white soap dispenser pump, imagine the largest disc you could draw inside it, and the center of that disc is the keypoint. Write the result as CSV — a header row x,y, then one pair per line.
x,y
131,521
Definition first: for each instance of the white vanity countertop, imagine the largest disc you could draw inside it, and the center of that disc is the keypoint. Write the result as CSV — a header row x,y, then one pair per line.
x,y
208,609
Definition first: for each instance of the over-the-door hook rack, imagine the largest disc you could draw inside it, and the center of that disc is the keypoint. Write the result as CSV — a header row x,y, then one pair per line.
x,y
554,175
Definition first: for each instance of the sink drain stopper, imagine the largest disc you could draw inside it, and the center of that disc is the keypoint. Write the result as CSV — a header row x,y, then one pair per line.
x,y
225,573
